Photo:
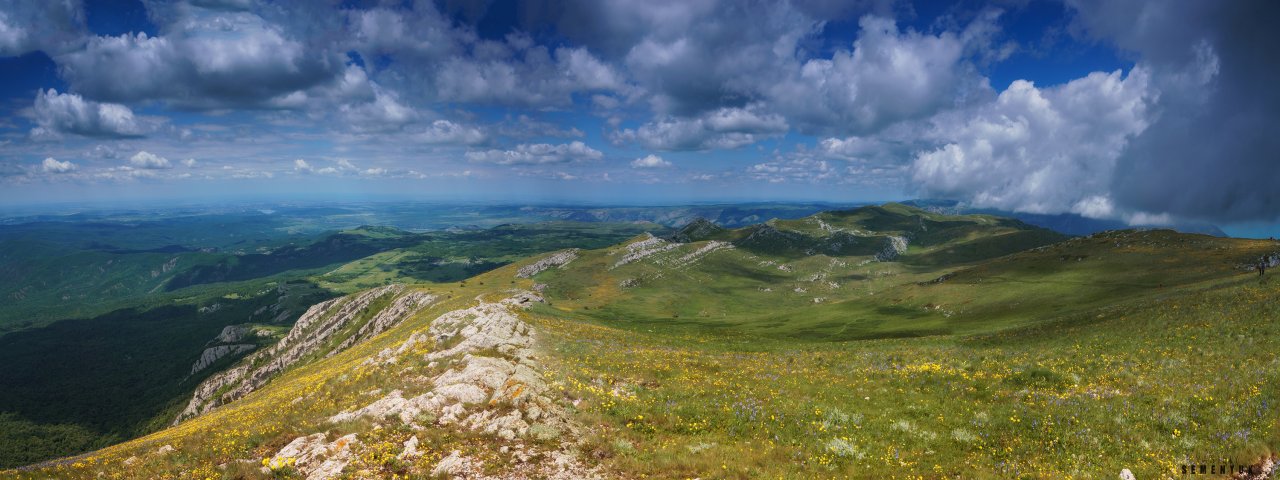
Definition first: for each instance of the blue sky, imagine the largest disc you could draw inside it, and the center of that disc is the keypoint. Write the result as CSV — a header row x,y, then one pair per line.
x,y
1121,110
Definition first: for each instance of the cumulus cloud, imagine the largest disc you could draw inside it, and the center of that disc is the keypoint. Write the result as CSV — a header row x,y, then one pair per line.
x,y
1039,150
1210,153
889,76
538,154
53,26
463,67
650,161
384,113
693,57
795,169
149,161
448,133
525,126
1188,134
57,113
204,58
52,165
722,128
519,73
420,32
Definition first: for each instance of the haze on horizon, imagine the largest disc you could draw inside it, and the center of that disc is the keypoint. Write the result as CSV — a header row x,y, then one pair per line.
x,y
1142,112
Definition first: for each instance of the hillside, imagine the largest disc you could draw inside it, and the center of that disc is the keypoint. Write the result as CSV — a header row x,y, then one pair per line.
x,y
122,361
876,342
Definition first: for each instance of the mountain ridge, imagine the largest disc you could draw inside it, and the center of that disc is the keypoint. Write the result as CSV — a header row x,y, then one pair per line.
x,y
719,356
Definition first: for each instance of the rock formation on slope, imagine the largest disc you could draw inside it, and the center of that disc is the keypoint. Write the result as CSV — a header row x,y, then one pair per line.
x,y
493,386
558,259
319,328
211,355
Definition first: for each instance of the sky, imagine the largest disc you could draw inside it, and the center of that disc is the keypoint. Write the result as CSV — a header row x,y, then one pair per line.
x,y
1145,112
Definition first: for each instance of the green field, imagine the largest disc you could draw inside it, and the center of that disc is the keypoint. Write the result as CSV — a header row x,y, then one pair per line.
x,y
980,347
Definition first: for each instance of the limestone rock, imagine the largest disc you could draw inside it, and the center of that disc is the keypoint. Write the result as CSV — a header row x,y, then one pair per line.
x,y
232,334
213,354
455,466
495,387
893,247
317,459
642,249
311,332
559,259
410,449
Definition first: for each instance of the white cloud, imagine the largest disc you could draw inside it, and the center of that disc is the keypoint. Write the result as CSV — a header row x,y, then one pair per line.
x,y
423,34
538,153
190,162
521,74
58,113
889,76
446,132
205,59
51,165
343,167
724,128
53,26
1035,150
587,71
691,57
794,169
13,38
384,113
650,161
150,161
524,126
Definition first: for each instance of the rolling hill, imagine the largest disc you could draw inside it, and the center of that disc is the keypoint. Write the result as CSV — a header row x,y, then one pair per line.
x,y
879,342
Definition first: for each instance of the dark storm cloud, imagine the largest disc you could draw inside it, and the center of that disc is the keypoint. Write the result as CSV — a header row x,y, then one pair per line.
x,y
1213,151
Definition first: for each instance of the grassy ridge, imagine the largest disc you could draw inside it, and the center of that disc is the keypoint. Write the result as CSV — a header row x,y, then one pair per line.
x,y
1146,385
122,370
1134,349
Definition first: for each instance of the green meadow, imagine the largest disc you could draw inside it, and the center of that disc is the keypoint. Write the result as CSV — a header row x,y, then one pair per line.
x,y
980,347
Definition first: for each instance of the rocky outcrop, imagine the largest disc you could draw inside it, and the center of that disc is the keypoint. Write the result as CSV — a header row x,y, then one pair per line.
x,y
642,249
400,309
232,334
314,457
494,386
893,247
559,259
693,257
212,354
321,325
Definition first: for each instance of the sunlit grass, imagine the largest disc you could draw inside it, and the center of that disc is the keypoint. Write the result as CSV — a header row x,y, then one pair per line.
x,y
1140,350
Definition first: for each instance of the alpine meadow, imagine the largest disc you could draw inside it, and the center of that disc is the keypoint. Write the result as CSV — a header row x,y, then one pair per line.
x,y
562,239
